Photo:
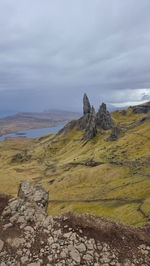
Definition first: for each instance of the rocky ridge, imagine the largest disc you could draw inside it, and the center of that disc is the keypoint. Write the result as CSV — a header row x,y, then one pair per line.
x,y
142,108
91,121
29,237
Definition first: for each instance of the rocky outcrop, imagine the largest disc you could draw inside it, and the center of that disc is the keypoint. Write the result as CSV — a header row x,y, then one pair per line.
x,y
90,121
115,134
143,108
29,237
86,105
124,112
35,193
90,129
103,118
21,157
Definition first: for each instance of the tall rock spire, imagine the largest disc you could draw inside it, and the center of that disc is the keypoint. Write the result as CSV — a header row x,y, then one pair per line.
x,y
90,130
86,105
104,119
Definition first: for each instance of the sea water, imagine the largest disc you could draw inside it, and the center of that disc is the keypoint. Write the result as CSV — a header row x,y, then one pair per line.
x,y
34,133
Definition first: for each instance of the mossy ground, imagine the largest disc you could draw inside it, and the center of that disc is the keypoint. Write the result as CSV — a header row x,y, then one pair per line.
x,y
120,183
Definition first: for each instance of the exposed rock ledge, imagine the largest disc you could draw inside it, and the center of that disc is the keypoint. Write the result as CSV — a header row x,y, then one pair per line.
x,y
29,237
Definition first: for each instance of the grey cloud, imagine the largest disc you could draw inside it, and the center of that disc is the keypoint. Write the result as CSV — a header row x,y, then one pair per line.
x,y
53,51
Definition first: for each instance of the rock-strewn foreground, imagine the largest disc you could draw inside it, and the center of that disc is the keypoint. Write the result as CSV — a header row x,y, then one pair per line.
x,y
28,236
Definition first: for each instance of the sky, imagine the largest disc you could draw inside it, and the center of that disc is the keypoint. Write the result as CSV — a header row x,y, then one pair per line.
x,y
53,51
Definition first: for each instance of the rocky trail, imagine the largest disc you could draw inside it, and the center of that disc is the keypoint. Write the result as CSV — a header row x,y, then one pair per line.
x,y
29,237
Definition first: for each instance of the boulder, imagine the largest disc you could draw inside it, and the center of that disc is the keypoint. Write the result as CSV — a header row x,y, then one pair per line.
x,y
115,134
103,118
35,193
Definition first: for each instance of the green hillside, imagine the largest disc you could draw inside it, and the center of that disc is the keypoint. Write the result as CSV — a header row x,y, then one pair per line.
x,y
105,178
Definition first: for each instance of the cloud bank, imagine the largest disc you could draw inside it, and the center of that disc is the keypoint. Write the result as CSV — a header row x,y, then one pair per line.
x,y
51,52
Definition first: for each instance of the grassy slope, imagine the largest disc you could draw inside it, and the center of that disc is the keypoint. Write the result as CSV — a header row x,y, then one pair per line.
x,y
121,183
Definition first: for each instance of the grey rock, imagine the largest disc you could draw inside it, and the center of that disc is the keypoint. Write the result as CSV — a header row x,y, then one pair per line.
x,y
75,255
88,258
86,105
115,134
29,214
1,245
103,118
124,112
68,235
6,226
14,205
24,259
29,229
64,253
16,242
35,193
143,108
3,264
90,129
81,247
50,240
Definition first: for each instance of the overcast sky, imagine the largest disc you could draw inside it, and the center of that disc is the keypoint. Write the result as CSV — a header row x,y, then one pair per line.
x,y
53,51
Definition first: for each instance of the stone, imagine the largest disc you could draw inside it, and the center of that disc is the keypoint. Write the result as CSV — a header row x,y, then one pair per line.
x,y
103,118
29,228
89,246
1,245
14,205
15,242
24,259
6,226
68,235
14,218
81,248
75,255
29,214
21,220
35,193
86,105
50,240
3,264
50,258
115,134
88,258
64,253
